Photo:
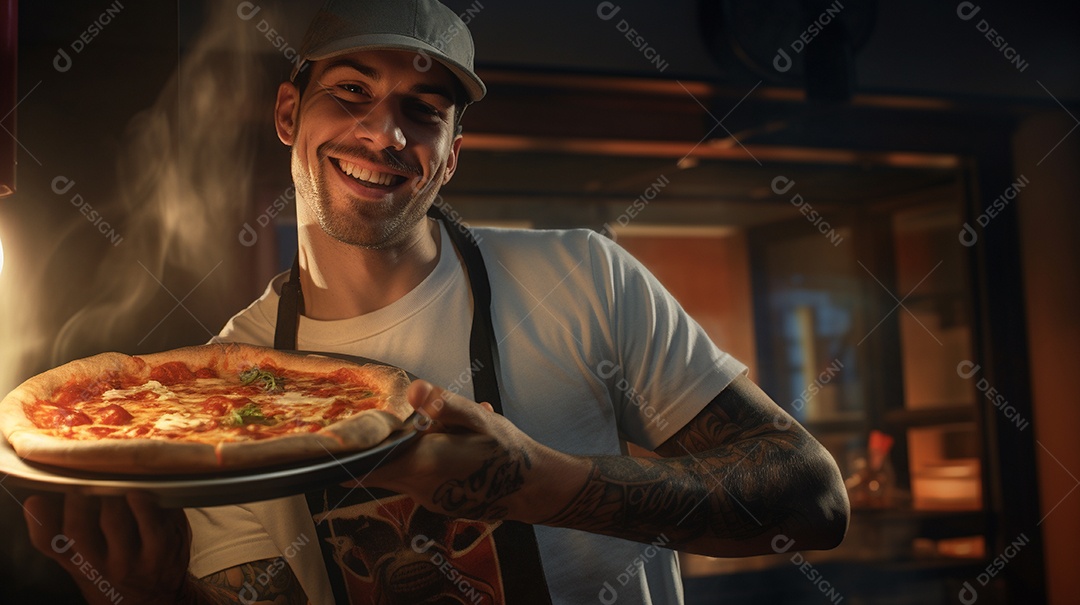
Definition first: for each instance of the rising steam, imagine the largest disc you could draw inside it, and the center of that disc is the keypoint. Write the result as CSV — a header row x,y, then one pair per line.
x,y
185,187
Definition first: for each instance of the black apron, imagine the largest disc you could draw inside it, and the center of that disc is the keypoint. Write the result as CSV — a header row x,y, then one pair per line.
x,y
408,554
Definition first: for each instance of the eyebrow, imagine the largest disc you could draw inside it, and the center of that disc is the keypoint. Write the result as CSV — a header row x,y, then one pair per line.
x,y
370,72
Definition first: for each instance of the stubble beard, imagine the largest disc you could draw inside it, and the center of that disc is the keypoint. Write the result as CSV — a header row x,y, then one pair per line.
x,y
364,224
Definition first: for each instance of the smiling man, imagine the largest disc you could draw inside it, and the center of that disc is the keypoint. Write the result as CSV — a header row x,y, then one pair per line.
x,y
373,140
574,348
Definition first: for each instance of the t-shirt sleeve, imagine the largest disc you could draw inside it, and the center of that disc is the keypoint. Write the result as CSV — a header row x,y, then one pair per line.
x,y
224,537
664,368
255,324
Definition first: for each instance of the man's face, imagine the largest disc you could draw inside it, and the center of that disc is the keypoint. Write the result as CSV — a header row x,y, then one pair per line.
x,y
372,142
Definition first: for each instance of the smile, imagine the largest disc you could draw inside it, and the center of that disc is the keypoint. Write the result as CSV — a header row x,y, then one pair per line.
x,y
369,177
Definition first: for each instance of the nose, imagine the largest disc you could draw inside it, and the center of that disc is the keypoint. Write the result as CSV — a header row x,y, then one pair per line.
x,y
380,126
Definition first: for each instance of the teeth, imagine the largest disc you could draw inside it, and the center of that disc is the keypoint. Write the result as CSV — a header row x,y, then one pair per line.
x,y
363,174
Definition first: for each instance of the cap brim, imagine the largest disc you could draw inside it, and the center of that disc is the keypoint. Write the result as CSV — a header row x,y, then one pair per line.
x,y
473,85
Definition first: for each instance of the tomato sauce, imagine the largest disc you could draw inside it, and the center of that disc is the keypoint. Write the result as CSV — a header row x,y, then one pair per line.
x,y
218,405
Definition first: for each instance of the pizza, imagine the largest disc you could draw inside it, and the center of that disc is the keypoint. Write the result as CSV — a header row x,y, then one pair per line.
x,y
205,408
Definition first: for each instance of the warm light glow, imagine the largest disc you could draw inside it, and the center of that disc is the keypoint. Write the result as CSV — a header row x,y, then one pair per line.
x,y
1,257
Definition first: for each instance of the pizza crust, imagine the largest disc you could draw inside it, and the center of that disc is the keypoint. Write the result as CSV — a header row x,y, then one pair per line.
x,y
152,456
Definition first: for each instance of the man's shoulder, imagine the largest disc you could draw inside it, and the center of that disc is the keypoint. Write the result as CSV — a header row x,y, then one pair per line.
x,y
501,239
255,324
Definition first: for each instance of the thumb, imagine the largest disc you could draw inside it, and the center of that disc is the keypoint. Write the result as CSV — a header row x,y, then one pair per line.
x,y
445,407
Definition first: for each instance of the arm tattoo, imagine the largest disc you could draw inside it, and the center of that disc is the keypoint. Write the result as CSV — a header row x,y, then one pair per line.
x,y
733,473
477,495
257,582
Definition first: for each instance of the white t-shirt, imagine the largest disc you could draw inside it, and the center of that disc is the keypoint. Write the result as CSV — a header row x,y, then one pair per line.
x,y
592,350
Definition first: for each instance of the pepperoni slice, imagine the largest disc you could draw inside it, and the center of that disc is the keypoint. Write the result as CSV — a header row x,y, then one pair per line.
x,y
73,393
172,372
46,415
206,373
72,418
114,415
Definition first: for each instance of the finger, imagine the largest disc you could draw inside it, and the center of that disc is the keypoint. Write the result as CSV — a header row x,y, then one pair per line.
x,y
160,530
122,542
44,520
417,395
428,398
82,524
445,407
420,393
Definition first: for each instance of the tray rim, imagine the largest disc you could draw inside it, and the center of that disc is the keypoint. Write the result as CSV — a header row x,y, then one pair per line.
x,y
215,489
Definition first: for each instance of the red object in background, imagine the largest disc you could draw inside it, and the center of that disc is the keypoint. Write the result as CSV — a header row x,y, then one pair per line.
x,y
871,483
9,85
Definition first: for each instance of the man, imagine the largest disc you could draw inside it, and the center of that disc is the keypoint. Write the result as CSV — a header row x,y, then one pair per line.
x,y
583,349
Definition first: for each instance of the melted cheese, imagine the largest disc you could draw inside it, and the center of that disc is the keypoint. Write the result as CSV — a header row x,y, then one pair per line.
x,y
159,390
178,420
294,398
179,411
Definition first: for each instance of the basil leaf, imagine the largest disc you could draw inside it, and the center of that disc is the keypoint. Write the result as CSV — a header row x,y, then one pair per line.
x,y
249,414
269,380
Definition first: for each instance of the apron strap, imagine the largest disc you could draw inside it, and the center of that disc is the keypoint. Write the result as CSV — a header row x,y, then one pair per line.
x,y
483,348
290,306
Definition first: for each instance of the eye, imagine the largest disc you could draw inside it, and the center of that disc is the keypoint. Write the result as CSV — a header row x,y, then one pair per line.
x,y
347,92
355,89
426,111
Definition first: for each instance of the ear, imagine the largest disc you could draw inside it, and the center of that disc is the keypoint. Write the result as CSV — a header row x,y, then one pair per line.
x,y
452,160
286,112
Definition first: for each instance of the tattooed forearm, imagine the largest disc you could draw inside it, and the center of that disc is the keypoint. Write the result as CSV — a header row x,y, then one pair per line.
x,y
477,496
258,582
733,478
717,493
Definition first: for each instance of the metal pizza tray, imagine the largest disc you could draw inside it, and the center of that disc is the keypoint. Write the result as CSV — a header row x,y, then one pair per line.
x,y
217,489
185,491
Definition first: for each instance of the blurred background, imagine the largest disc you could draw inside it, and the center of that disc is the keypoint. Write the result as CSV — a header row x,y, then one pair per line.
x,y
872,204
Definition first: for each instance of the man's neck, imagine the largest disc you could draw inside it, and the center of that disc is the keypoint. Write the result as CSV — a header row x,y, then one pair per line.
x,y
341,281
